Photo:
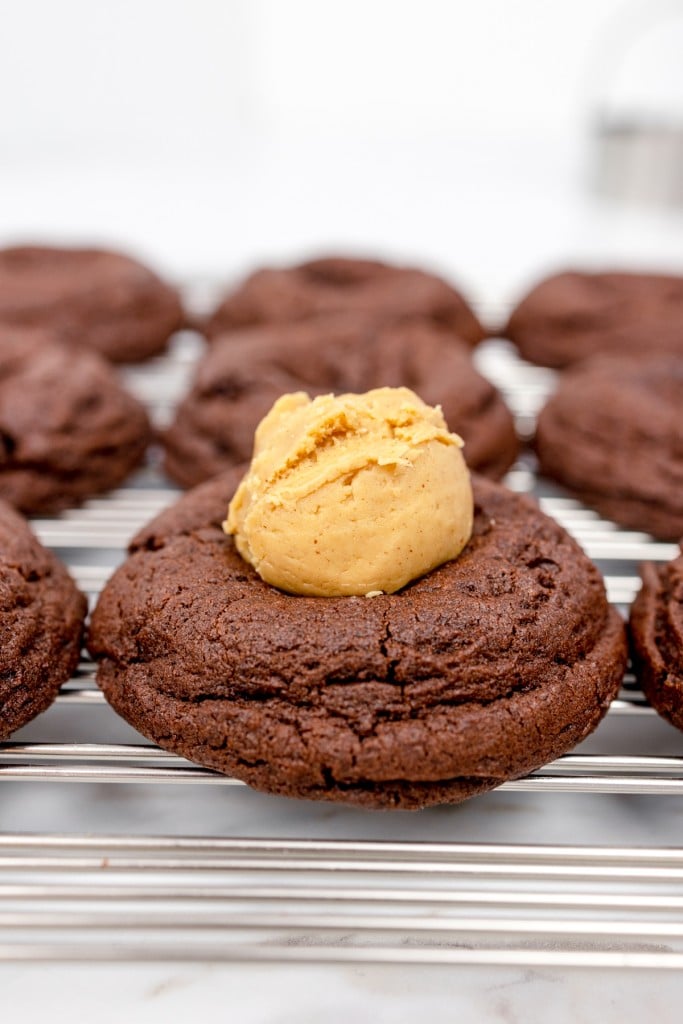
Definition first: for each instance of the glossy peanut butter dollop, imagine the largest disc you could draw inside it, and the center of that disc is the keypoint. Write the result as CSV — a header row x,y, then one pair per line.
x,y
352,494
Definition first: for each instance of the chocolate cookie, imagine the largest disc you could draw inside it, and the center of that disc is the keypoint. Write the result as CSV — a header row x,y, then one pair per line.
x,y
657,638
338,285
479,672
104,300
240,378
613,435
573,315
40,627
67,427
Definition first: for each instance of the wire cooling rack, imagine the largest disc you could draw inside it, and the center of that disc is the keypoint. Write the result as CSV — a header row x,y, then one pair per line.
x,y
311,885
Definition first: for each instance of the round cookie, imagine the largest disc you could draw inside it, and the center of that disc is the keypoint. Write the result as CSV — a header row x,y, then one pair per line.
x,y
570,316
342,285
240,377
481,671
104,300
613,435
656,629
41,624
68,429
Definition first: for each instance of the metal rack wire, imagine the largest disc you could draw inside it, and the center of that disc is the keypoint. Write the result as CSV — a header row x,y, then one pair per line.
x,y
122,897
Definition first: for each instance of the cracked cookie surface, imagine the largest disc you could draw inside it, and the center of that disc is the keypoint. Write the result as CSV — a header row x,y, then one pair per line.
x,y
68,429
103,300
613,435
481,671
656,628
338,285
40,627
242,375
572,315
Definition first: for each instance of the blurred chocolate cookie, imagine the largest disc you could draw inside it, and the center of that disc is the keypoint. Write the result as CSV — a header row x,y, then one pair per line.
x,y
101,299
573,315
613,435
657,638
68,429
40,627
241,376
479,672
339,285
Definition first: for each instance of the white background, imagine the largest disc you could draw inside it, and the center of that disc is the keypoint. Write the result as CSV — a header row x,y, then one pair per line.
x,y
210,135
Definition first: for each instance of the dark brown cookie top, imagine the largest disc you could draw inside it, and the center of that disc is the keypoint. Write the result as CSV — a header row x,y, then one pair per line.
x,y
656,627
68,429
479,671
104,300
613,434
242,375
340,285
573,315
40,626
